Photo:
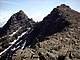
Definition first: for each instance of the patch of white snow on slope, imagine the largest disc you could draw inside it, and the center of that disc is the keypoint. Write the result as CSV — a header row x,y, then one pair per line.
x,y
23,45
7,48
15,32
13,43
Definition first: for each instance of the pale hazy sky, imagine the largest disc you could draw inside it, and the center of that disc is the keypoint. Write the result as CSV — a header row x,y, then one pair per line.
x,y
36,9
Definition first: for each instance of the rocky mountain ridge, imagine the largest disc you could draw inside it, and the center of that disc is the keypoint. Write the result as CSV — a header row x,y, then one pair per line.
x,y
61,41
18,24
16,20
56,37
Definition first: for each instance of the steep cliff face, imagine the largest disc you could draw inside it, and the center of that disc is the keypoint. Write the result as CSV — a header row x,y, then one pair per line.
x,y
59,33
18,24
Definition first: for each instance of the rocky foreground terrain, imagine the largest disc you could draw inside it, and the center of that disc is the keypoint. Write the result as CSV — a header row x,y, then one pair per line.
x,y
56,37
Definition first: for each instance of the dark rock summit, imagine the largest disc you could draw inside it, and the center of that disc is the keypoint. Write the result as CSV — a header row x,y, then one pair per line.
x,y
15,22
15,26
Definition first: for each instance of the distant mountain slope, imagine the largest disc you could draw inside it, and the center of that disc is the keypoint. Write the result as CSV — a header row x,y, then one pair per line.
x,y
18,24
15,22
60,36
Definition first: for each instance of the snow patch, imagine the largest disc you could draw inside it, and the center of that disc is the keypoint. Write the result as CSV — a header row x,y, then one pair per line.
x,y
5,50
12,42
23,45
15,48
15,32
3,36
29,28
19,36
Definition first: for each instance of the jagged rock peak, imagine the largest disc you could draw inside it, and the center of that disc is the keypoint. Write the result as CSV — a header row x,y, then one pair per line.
x,y
63,6
16,21
21,11
57,12
19,16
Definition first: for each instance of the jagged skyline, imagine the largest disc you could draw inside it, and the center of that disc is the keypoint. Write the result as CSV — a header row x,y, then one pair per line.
x,y
56,37
36,9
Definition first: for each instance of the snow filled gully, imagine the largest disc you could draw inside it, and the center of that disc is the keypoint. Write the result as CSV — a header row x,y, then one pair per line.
x,y
16,43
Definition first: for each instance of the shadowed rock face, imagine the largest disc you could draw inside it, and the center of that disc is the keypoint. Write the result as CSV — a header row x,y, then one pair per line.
x,y
52,23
